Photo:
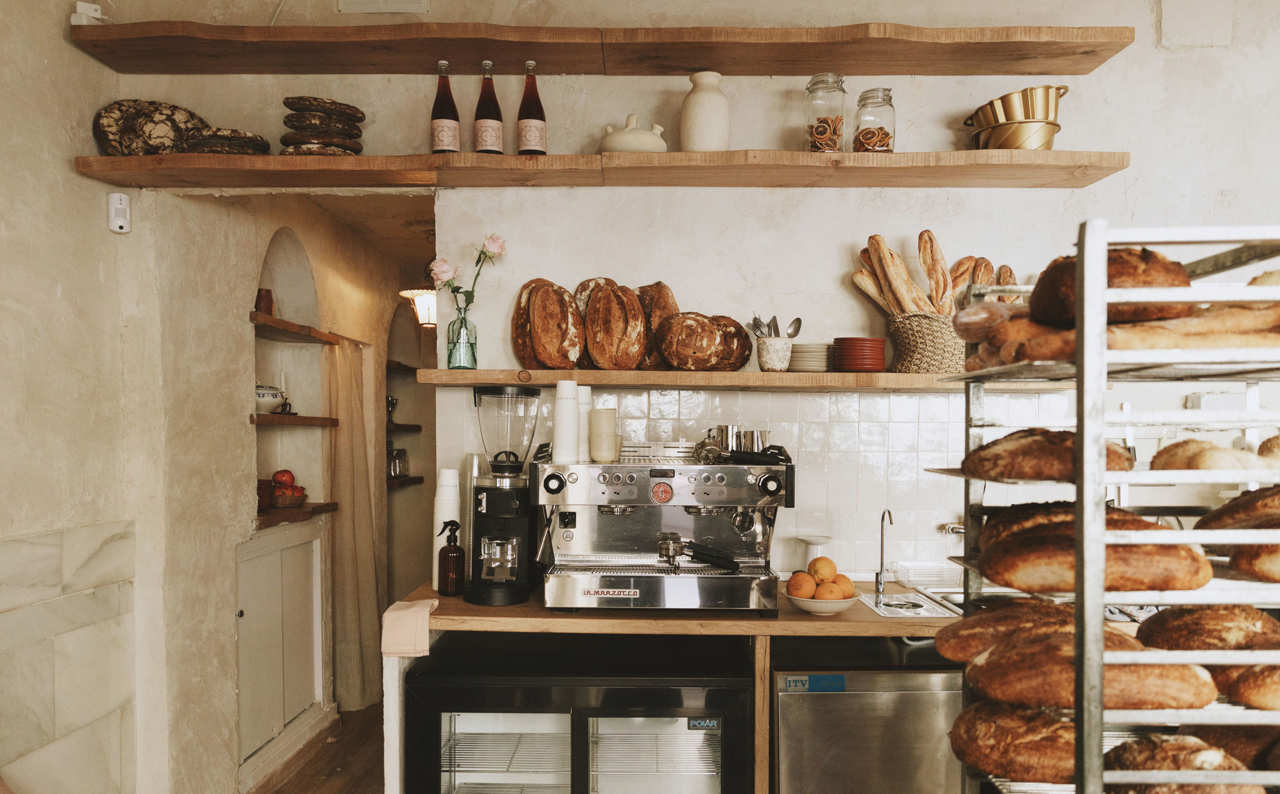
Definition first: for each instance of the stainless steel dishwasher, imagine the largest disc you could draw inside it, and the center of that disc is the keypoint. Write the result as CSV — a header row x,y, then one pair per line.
x,y
874,723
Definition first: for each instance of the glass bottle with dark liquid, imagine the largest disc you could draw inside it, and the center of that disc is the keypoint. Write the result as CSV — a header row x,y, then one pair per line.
x,y
488,126
449,574
445,135
531,126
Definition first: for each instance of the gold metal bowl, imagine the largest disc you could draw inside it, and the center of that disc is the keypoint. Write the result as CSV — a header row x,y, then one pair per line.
x,y
1038,103
1017,135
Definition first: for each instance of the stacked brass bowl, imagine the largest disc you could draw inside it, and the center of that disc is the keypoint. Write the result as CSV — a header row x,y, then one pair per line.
x,y
1026,119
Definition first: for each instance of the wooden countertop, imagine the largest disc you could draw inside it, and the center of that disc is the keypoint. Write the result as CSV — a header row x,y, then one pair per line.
x,y
454,614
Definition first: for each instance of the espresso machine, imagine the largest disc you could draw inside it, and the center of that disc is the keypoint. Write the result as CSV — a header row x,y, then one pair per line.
x,y
663,529
504,523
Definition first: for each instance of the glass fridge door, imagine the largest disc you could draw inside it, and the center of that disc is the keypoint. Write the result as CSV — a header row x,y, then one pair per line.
x,y
644,755
489,753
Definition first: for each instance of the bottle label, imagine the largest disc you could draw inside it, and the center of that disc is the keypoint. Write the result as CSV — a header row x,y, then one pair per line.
x,y
488,135
532,134
445,136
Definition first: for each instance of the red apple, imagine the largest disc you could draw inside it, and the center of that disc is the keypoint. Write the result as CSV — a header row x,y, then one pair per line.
x,y
283,477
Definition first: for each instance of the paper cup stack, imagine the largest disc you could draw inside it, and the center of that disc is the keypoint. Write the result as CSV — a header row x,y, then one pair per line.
x,y
810,358
858,354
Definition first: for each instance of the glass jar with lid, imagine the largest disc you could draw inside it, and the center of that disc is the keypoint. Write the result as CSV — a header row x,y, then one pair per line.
x,y
875,131
824,121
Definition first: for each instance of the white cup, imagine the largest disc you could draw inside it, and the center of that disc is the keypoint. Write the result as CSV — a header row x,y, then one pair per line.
x,y
602,427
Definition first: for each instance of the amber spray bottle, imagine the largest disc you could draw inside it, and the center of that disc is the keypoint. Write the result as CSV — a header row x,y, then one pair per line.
x,y
449,573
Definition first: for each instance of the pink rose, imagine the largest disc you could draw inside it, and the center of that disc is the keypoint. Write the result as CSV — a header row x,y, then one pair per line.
x,y
494,246
442,271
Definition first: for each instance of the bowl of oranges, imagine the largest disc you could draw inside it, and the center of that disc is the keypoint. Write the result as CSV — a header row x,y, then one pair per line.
x,y
821,589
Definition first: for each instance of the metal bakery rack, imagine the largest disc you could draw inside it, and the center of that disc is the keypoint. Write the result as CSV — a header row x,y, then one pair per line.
x,y
1095,366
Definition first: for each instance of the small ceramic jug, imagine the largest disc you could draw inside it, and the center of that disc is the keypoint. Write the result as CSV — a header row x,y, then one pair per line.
x,y
704,117
632,139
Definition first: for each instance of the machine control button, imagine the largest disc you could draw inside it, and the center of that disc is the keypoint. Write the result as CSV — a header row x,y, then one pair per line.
x,y
602,477
617,478
770,484
661,492
631,478
720,478
554,483
692,479
567,535
706,479
573,477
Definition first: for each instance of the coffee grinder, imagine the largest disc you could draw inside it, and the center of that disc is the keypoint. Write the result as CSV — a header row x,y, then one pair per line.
x,y
504,520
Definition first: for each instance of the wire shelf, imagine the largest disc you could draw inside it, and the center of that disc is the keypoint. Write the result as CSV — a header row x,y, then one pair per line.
x,y
1219,713
656,754
1143,477
1190,420
1225,537
1161,656
506,752
1223,364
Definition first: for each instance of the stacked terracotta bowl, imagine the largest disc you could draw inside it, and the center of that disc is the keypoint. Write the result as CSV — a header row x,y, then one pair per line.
x,y
858,354
1026,119
810,358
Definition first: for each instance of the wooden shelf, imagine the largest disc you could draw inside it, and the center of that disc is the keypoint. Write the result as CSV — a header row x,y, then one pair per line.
x,y
266,326
739,168
744,380
396,483
400,368
397,427
285,515
291,420
877,48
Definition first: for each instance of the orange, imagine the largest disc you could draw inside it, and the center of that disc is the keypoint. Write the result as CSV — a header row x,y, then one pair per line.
x,y
829,592
822,569
846,586
801,585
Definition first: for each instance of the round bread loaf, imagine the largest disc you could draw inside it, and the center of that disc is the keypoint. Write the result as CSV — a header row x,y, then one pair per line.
x,y
1207,628
322,124
1270,448
1018,743
615,327
1040,671
1248,744
331,107
337,141
555,326
736,342
1017,518
316,149
1042,560
1035,454
582,296
141,126
1260,562
659,303
521,337
220,140
1256,509
1053,299
965,639
690,341
1164,751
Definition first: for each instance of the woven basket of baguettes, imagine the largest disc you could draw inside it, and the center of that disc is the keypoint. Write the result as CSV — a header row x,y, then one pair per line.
x,y
925,343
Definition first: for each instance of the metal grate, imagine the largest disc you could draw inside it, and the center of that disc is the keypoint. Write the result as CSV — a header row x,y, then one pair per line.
x,y
505,752
650,754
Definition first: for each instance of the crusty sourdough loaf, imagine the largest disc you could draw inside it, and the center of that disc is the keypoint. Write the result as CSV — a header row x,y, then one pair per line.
x,y
659,303
1195,453
1035,454
1042,560
615,327
690,341
1248,744
1256,509
1216,627
1053,299
1040,671
1019,743
521,336
1015,518
555,326
1257,685
582,292
1270,448
735,343
1166,751
965,639
1260,562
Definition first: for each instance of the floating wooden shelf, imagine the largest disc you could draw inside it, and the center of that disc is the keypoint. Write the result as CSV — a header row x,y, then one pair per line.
x,y
877,48
291,420
397,427
746,381
267,327
739,168
285,515
395,483
400,368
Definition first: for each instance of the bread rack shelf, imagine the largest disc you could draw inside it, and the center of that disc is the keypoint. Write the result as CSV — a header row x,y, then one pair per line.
x,y
1098,366
1149,477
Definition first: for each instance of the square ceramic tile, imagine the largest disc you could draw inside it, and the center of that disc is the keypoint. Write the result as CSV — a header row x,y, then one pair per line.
x,y
92,672
873,474
725,405
96,555
1055,408
606,399
633,405
873,407
955,407
934,407
662,430
842,436
814,407
784,407
26,699
30,569
787,434
635,431
753,408
1023,409
933,436
904,407
903,436
844,407
873,436
955,437
691,430
664,404
813,437
693,404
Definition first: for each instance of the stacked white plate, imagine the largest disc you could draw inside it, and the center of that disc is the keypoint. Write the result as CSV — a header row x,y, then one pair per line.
x,y
810,358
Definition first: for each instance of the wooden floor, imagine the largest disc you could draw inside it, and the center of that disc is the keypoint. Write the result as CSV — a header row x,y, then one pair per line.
x,y
350,763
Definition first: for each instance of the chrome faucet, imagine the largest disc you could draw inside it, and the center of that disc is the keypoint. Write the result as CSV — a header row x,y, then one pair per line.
x,y
880,573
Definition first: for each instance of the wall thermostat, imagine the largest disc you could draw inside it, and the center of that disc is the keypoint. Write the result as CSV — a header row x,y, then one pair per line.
x,y
118,213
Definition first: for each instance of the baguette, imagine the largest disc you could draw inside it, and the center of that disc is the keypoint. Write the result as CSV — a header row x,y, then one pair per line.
x,y
1006,278
866,282
897,279
984,273
962,273
935,268
918,297
876,267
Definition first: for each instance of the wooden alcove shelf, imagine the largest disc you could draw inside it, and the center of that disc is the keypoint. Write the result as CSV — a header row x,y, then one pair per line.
x,y
396,483
265,326
292,420
285,515
1008,168
875,48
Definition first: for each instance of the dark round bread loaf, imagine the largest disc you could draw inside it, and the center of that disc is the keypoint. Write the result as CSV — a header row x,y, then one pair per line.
x,y
555,326
142,126
521,337
1040,671
965,639
1207,628
1053,299
659,303
303,138
1035,454
331,107
615,327
1165,751
1016,518
1018,743
690,341
1248,744
322,124
736,342
220,140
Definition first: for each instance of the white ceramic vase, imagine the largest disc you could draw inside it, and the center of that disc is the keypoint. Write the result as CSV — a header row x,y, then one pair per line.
x,y
704,117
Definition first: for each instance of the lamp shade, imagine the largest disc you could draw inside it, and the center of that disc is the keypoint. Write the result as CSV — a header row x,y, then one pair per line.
x,y
423,300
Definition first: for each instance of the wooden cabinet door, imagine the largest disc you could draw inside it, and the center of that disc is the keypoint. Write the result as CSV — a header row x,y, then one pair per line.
x,y
261,662
298,629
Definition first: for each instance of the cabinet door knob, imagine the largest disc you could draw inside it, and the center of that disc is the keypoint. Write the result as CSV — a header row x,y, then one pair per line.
x,y
239,613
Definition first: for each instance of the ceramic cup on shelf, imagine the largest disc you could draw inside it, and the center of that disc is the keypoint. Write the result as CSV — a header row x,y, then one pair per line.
x,y
704,116
773,353
602,426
